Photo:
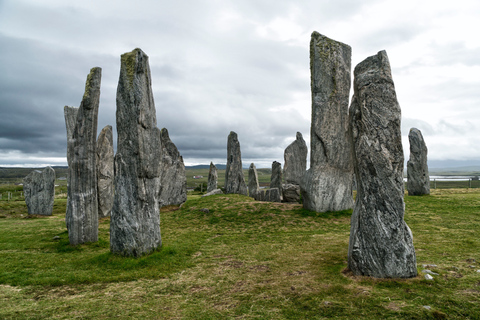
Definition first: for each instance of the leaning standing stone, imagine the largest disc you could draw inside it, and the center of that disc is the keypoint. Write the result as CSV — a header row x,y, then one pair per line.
x,y
212,178
82,205
173,178
418,179
253,186
381,243
39,191
135,220
295,157
234,180
327,185
105,172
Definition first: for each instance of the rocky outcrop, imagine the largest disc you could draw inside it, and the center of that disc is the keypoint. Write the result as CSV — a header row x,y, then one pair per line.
x,y
276,177
212,178
39,191
418,179
173,178
381,243
327,185
253,186
82,206
234,180
295,157
135,219
105,172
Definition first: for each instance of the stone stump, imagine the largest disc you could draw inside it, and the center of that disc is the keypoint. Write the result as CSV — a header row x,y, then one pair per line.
x,y
234,180
105,172
39,191
291,193
173,178
212,178
272,195
327,185
253,186
82,206
135,219
418,179
381,243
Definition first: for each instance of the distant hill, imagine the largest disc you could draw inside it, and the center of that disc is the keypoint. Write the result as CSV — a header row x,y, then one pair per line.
x,y
206,166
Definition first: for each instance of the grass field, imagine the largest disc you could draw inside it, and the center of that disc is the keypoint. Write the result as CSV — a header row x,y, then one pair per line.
x,y
241,260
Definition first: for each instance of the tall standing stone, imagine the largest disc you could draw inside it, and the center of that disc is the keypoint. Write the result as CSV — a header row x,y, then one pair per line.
x,y
212,178
418,179
253,186
135,220
234,180
82,206
105,172
173,178
276,177
39,191
295,157
70,114
381,243
327,185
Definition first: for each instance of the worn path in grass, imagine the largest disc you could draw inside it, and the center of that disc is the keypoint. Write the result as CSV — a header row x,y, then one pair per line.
x,y
241,259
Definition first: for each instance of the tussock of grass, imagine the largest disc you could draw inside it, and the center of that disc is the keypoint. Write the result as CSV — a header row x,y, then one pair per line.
x,y
241,259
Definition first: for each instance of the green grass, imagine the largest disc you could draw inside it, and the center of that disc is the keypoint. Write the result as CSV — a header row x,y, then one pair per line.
x,y
243,259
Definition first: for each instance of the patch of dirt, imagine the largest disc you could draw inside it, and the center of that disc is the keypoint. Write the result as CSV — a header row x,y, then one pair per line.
x,y
260,268
170,208
235,264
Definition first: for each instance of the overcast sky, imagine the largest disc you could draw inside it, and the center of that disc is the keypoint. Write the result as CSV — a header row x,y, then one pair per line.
x,y
220,66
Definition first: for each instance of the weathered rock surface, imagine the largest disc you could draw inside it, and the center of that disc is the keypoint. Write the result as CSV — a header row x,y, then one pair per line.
x,y
327,185
291,193
39,191
253,185
82,206
234,180
418,179
295,157
213,192
272,195
381,243
276,177
173,178
212,178
105,172
135,219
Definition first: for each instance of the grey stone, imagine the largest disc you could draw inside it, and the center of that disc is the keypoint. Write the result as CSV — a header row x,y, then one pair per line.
x,y
234,180
427,271
173,178
70,114
291,193
213,192
39,191
105,172
272,195
276,177
135,219
82,206
327,185
381,243
428,277
418,179
295,157
260,195
212,178
427,307
253,185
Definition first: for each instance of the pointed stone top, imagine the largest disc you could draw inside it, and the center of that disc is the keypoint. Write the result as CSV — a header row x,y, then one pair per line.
x,y
320,37
164,133
299,136
93,82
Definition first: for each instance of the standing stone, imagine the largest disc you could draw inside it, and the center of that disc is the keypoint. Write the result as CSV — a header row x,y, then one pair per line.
x,y
173,178
418,180
82,205
253,186
295,157
39,191
212,178
327,185
135,220
272,195
276,177
105,172
70,114
381,243
234,180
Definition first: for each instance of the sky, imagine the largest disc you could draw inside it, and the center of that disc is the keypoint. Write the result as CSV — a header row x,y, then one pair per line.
x,y
222,65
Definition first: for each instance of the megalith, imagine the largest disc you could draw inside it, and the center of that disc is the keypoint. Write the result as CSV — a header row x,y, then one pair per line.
x,y
295,157
418,180
82,206
381,243
105,172
234,180
212,178
327,185
135,219
253,186
39,191
173,175
276,177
